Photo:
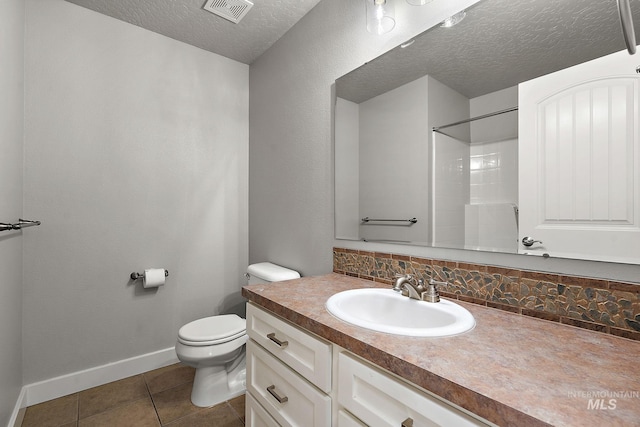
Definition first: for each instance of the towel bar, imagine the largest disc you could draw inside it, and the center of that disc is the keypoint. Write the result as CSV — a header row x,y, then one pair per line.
x,y
22,223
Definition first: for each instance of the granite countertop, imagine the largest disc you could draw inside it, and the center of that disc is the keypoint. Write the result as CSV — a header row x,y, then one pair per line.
x,y
511,370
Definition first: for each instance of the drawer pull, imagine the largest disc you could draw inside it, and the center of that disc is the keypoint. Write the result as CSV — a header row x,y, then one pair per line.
x,y
407,423
281,344
272,391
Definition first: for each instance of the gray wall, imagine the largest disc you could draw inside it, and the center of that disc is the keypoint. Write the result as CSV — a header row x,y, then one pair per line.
x,y
11,144
290,155
347,169
136,156
393,162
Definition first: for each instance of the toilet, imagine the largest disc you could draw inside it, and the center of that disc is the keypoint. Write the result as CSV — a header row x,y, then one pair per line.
x,y
214,345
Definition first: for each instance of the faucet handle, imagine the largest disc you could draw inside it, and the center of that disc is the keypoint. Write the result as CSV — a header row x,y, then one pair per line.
x,y
432,294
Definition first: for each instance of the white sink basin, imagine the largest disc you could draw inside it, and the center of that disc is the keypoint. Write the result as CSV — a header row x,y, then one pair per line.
x,y
385,310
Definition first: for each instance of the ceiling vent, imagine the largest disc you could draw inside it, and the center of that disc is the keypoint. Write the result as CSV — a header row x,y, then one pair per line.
x,y
233,10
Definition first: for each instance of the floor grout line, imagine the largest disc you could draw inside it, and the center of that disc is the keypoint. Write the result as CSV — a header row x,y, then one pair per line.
x,y
174,379
153,402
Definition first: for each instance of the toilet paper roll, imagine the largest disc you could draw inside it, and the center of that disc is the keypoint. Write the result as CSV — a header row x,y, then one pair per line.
x,y
153,277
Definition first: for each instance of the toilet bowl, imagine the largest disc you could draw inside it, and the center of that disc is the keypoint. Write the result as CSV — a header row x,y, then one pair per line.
x,y
215,346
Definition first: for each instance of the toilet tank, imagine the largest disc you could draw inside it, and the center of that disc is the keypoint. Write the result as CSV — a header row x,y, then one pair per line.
x,y
265,272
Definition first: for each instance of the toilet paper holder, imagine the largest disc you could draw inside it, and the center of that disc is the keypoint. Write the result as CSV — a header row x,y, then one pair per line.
x,y
136,276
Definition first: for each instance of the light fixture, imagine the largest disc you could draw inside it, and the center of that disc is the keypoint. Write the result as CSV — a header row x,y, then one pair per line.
x,y
626,20
453,19
380,16
418,2
407,44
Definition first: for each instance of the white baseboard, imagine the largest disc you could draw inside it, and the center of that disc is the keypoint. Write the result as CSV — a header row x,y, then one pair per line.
x,y
18,411
53,388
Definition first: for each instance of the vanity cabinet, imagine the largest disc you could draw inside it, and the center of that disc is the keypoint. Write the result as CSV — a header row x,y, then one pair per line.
x,y
289,383
256,415
379,399
290,399
288,374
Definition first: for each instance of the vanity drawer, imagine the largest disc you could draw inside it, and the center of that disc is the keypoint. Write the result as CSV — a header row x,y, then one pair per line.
x,y
289,399
256,415
379,399
308,355
345,419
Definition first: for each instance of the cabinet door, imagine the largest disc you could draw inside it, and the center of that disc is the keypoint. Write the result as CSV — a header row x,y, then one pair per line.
x,y
380,400
290,399
256,415
579,169
306,354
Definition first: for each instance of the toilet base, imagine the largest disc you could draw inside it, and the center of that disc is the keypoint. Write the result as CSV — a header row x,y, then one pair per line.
x,y
216,384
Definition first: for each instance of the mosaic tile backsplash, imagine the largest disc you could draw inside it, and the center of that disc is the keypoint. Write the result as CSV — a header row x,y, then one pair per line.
x,y
596,304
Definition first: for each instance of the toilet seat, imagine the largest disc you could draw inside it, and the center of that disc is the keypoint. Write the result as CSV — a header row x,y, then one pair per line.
x,y
212,330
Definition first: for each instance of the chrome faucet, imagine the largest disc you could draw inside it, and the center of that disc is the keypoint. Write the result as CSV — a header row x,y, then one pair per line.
x,y
415,288
408,286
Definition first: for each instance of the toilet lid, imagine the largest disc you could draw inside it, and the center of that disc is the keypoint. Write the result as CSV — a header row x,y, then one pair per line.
x,y
213,329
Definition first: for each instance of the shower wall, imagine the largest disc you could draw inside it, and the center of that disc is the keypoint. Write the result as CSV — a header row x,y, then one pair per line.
x,y
475,173
450,175
494,148
491,214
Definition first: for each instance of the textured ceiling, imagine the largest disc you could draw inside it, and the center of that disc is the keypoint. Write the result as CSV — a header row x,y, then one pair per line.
x,y
186,21
499,44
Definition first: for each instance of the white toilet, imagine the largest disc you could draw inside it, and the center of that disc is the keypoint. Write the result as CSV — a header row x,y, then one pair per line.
x,y
215,345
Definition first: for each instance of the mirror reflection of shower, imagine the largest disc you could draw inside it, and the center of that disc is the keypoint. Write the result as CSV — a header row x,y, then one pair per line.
x,y
475,176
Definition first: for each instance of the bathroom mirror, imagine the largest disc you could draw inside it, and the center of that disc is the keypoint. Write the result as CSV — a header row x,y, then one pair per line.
x,y
398,181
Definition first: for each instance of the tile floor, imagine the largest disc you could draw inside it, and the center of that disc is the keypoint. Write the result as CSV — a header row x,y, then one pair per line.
x,y
156,398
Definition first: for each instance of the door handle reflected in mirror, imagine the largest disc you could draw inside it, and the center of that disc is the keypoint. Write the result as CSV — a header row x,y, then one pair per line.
x,y
529,241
